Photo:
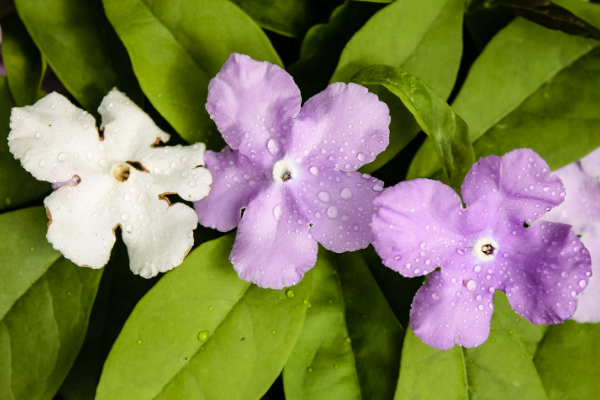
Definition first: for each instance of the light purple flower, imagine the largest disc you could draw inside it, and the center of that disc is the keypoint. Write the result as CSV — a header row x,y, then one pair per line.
x,y
421,225
292,169
581,209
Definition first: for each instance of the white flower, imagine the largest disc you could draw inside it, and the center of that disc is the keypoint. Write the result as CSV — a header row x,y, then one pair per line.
x,y
121,179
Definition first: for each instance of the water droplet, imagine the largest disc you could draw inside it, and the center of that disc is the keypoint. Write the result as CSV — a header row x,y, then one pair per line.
x,y
32,248
324,196
309,369
139,341
332,212
277,212
273,332
435,296
346,193
125,217
62,157
348,340
360,156
102,163
203,336
128,228
42,163
7,201
477,268
273,146
471,285
378,187
290,294
210,308
314,170
38,135
582,283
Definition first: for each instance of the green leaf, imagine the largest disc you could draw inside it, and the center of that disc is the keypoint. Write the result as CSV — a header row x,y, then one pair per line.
x,y
203,333
567,361
45,302
501,368
76,42
417,36
448,131
290,18
350,344
22,60
323,45
516,65
177,46
17,186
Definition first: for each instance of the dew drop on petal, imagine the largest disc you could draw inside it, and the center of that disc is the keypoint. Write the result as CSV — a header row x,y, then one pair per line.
x,y
324,196
62,157
277,212
42,163
273,146
435,296
314,170
360,156
38,135
203,336
346,193
332,212
471,285
582,283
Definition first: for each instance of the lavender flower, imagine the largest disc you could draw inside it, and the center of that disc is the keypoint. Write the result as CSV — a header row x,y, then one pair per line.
x,y
421,225
581,209
292,169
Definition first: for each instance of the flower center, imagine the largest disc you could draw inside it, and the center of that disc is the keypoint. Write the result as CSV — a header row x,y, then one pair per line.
x,y
485,249
121,172
283,171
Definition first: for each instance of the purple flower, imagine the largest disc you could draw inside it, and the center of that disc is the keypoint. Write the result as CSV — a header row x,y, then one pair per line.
x,y
581,209
292,169
421,225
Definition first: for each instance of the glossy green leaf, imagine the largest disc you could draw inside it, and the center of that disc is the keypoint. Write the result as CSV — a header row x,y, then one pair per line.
x,y
323,45
45,303
78,45
448,131
23,61
417,36
350,344
517,64
501,368
177,46
17,186
567,361
289,17
203,333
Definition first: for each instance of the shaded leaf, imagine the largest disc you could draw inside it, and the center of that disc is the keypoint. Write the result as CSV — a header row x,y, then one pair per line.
x,y
417,36
203,333
76,43
177,46
323,45
350,344
501,368
567,361
23,61
17,186
517,64
45,302
448,131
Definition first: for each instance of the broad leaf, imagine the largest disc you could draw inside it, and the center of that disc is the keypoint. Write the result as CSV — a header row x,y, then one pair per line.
x,y
567,361
17,186
289,17
323,45
22,60
78,44
448,131
45,303
350,344
203,333
501,368
516,65
177,46
417,36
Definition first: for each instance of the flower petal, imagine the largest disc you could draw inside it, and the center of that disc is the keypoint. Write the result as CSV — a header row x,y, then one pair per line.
x,y
420,225
235,183
548,268
591,163
518,182
588,301
343,127
446,312
339,205
273,247
253,104
53,138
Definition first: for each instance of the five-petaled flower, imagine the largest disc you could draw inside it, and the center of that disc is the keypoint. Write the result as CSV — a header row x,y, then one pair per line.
x,y
581,209
118,178
497,243
292,169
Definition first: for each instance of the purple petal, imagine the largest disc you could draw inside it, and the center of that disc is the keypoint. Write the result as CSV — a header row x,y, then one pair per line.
x,y
253,104
581,209
518,183
446,312
340,207
591,163
273,247
235,183
420,225
545,268
343,127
